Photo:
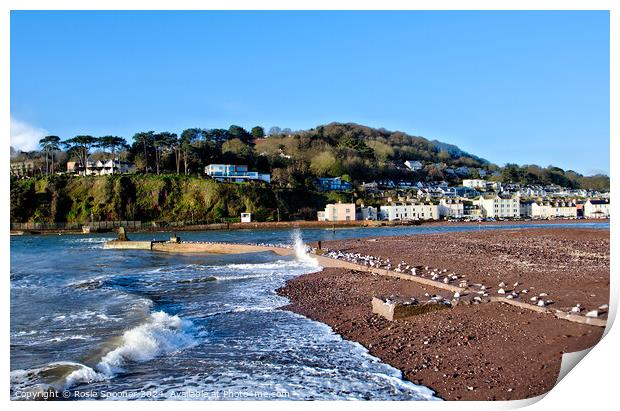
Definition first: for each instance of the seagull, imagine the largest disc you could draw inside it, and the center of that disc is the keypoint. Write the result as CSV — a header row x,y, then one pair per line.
x,y
501,291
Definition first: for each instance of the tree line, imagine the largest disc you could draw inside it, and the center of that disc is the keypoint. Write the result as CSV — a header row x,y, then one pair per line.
x,y
295,158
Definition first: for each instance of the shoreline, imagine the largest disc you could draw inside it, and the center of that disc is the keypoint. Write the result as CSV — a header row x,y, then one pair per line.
x,y
489,351
284,225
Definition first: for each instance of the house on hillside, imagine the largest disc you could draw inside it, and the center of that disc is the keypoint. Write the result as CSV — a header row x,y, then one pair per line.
x,y
333,184
235,173
414,165
100,167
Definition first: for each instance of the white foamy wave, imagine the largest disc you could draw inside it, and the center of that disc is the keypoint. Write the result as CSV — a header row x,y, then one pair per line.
x,y
67,338
89,242
242,277
161,334
34,383
301,249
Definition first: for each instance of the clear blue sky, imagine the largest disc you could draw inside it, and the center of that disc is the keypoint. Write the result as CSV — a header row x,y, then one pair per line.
x,y
525,87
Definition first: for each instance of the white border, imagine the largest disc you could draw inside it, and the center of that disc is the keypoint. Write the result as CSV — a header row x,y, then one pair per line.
x,y
591,384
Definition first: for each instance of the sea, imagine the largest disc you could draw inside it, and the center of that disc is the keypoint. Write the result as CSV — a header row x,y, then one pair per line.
x,y
88,323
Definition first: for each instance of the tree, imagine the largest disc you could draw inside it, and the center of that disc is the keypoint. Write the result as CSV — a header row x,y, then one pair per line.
x,y
237,147
240,133
258,132
80,146
162,142
216,136
50,144
187,139
511,173
145,139
323,163
275,131
112,143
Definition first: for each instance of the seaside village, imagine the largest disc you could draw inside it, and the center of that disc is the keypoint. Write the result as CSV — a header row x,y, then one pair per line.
x,y
475,200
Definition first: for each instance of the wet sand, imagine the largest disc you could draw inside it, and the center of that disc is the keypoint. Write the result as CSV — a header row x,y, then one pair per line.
x,y
489,351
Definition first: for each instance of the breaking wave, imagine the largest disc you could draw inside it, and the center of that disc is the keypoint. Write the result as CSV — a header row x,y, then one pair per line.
x,y
159,335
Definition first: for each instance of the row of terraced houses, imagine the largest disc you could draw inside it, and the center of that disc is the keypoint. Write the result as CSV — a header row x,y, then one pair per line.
x,y
484,207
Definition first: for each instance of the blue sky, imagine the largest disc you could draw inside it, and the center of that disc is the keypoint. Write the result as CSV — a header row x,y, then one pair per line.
x,y
525,87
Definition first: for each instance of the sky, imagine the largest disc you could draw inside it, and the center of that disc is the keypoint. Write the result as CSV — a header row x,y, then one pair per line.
x,y
518,87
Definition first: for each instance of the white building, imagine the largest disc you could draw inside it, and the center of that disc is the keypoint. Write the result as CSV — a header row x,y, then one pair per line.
x,y
525,208
101,168
542,209
414,165
499,206
595,208
475,183
246,217
411,211
234,173
451,207
564,209
367,213
338,212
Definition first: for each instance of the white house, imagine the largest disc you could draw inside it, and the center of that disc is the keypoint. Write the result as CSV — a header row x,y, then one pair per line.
x,y
475,183
564,209
411,211
499,206
101,168
367,213
525,208
596,208
451,207
234,173
414,165
542,209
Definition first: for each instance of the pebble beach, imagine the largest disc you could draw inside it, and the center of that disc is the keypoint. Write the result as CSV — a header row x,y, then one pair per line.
x,y
489,351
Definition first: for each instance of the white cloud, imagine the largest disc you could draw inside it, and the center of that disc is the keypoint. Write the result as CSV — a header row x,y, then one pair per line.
x,y
25,136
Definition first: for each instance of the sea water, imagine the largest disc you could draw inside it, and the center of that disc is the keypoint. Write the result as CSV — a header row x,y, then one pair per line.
x,y
91,323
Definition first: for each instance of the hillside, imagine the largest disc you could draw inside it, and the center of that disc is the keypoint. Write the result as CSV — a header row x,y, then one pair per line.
x,y
154,198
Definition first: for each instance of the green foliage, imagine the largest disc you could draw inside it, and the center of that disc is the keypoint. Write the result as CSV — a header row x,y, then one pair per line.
x,y
535,175
258,132
152,198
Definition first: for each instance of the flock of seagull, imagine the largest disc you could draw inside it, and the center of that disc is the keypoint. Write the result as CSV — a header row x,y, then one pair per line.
x,y
442,275
435,274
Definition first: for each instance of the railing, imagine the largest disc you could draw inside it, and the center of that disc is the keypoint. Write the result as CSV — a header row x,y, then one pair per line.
x,y
98,225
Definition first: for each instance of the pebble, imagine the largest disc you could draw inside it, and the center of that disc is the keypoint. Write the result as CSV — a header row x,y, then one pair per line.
x,y
501,291
592,314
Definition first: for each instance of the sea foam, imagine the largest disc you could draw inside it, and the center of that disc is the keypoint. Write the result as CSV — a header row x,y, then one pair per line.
x,y
161,334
